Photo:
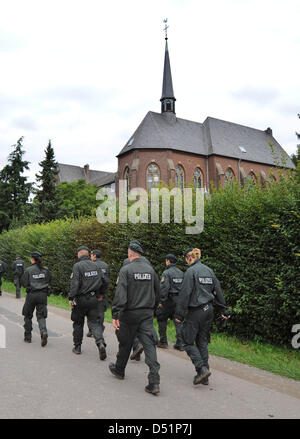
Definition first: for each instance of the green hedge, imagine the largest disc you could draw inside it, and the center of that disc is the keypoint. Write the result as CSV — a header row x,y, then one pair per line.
x,y
250,239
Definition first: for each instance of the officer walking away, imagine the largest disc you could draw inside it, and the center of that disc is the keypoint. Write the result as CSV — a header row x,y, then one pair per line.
x,y
137,348
3,268
18,268
170,286
136,297
143,258
200,290
102,302
87,285
36,279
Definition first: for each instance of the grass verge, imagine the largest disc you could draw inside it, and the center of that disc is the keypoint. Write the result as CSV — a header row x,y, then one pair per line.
x,y
284,361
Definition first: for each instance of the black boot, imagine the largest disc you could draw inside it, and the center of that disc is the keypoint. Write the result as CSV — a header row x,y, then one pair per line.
x,y
102,351
44,339
178,345
77,349
205,382
112,368
202,374
162,345
136,355
89,334
152,388
27,338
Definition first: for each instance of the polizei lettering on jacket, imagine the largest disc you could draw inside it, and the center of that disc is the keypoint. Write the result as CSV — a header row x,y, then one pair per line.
x,y
177,280
39,276
142,276
205,280
90,273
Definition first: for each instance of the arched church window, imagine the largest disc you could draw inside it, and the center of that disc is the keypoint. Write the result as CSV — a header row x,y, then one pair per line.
x,y
198,178
229,176
152,176
251,178
272,178
127,177
179,176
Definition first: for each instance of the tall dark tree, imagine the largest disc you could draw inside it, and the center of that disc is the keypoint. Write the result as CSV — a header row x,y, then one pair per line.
x,y
15,189
5,205
296,157
46,196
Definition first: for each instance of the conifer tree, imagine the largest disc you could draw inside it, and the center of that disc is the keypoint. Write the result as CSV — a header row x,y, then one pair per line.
x,y
14,187
46,195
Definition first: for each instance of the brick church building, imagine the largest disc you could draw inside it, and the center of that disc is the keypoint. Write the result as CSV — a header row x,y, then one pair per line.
x,y
179,151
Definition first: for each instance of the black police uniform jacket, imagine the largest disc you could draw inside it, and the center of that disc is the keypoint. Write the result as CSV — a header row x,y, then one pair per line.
x,y
18,267
171,282
137,288
142,258
86,278
104,267
3,268
36,280
200,286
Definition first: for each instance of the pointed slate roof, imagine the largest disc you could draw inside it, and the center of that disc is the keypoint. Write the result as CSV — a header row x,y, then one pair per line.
x,y
226,138
213,137
165,131
167,88
72,173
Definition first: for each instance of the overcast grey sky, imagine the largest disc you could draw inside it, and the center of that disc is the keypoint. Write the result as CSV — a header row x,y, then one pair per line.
x,y
85,73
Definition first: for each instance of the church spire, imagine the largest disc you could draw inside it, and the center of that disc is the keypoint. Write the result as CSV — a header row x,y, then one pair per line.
x,y
167,99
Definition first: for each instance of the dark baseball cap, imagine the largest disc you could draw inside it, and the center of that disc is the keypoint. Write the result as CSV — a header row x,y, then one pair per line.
x,y
172,258
135,246
187,251
96,253
82,247
36,254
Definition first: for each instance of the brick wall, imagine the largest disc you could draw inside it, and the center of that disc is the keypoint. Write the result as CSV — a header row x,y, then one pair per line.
x,y
168,160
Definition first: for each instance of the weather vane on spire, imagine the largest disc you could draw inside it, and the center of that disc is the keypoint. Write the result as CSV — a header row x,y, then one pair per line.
x,y
166,28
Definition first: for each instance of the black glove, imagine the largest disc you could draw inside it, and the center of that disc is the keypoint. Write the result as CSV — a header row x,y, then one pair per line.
x,y
158,311
226,313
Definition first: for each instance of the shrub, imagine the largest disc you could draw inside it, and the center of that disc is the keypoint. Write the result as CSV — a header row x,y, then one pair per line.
x,y
250,239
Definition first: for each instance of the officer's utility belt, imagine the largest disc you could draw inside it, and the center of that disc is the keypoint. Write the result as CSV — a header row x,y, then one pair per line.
x,y
90,294
202,306
173,294
30,291
138,309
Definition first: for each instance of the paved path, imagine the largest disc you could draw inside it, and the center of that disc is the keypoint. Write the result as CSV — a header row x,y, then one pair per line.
x,y
52,382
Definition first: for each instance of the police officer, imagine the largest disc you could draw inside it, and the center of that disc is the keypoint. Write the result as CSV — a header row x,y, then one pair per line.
x,y
136,297
36,279
87,285
18,268
137,347
200,290
170,286
3,268
102,303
